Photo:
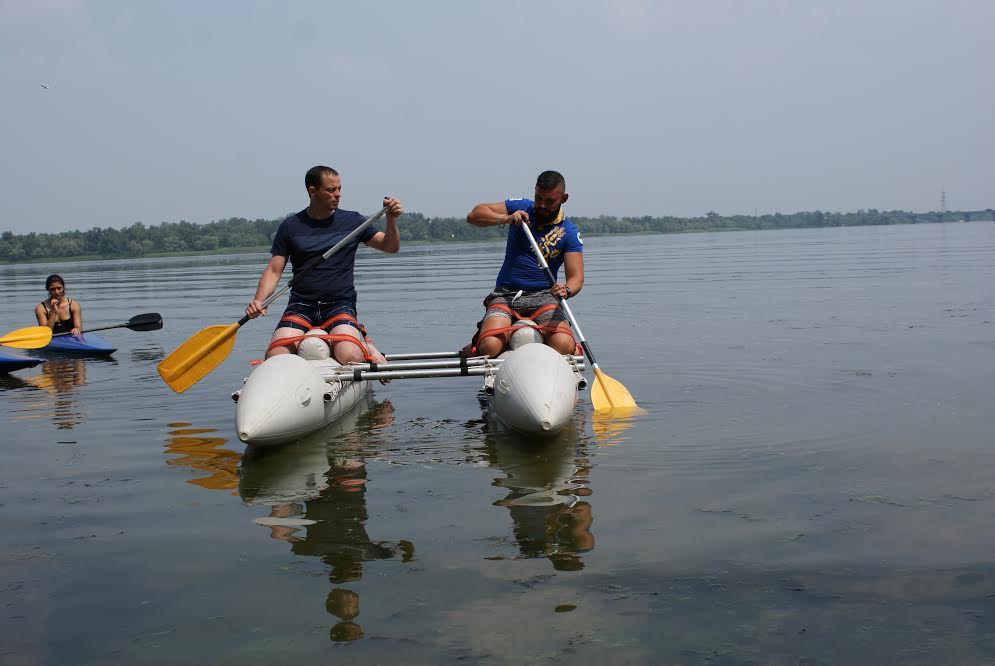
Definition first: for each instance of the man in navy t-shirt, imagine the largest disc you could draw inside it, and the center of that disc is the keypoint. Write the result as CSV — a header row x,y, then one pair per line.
x,y
327,290
522,289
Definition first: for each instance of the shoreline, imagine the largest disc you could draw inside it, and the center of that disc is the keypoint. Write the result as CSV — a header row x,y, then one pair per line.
x,y
265,249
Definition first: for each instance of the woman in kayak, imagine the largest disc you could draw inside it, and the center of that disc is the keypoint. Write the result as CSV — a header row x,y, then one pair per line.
x,y
59,312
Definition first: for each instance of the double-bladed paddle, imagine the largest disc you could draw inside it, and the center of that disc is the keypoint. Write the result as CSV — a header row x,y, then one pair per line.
x,y
607,394
31,337
205,350
150,321
36,337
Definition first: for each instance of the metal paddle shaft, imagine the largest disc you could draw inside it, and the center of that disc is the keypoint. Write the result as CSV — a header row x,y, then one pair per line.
x,y
151,321
206,349
612,394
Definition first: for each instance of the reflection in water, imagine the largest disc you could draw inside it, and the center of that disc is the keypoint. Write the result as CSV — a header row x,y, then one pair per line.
x,y
546,480
201,453
609,426
12,382
152,354
316,493
56,380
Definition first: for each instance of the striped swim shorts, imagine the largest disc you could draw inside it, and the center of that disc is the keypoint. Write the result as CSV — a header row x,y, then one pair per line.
x,y
524,303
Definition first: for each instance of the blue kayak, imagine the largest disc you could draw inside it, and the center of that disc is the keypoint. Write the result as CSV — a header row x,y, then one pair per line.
x,y
11,362
86,343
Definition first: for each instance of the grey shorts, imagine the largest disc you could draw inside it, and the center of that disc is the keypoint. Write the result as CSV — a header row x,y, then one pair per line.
x,y
524,303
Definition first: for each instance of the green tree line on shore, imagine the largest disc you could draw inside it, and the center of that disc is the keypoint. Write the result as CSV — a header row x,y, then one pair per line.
x,y
139,240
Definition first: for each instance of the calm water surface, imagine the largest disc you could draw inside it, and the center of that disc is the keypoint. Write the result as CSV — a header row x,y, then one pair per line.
x,y
813,482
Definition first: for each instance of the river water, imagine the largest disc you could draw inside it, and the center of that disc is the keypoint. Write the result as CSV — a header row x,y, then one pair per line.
x,y
812,481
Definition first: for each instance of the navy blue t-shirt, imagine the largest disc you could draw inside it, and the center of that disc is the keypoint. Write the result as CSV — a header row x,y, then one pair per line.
x,y
301,239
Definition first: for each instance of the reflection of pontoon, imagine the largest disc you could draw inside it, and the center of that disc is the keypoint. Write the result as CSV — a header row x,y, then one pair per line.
x,y
296,472
315,491
546,486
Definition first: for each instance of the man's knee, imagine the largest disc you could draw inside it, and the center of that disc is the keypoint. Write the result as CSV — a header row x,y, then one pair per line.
x,y
346,351
491,345
282,349
562,342
288,348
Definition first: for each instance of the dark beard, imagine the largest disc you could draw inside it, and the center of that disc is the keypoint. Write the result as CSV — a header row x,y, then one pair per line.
x,y
544,219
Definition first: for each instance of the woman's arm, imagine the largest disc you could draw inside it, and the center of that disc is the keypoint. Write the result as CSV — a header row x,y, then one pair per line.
x,y
76,314
48,316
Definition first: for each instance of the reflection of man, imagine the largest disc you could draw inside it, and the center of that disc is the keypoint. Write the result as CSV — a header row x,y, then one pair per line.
x,y
573,536
549,518
339,537
333,516
556,531
282,521
344,604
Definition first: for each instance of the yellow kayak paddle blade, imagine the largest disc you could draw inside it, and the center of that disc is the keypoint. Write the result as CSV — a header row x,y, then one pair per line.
x,y
32,337
197,356
610,395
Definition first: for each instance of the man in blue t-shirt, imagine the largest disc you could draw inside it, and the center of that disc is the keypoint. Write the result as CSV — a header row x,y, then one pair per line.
x,y
522,289
327,291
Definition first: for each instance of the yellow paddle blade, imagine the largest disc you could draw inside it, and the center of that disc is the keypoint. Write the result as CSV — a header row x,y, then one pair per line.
x,y
609,394
32,337
197,356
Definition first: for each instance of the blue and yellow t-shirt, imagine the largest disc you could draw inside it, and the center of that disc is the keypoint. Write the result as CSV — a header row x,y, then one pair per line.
x,y
301,239
521,269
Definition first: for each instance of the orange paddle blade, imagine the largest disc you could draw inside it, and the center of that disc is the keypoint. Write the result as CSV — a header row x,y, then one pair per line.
x,y
196,357
609,395
32,337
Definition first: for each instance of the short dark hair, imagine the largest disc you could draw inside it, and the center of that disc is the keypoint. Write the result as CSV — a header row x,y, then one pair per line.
x,y
315,174
52,279
549,180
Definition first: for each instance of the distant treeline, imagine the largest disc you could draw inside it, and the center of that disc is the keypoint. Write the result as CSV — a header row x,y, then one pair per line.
x,y
237,233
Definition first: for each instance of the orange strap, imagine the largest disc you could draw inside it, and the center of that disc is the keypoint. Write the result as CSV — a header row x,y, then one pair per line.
x,y
515,315
543,330
326,325
294,319
340,318
328,337
294,339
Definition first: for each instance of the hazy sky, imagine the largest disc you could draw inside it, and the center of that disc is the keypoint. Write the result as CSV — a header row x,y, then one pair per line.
x,y
162,111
